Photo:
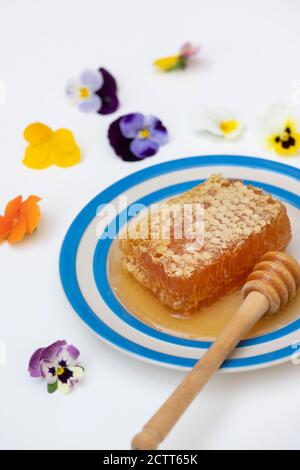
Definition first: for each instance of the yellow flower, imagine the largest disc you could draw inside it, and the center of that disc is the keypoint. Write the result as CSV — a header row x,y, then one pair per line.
x,y
279,130
166,64
179,60
49,148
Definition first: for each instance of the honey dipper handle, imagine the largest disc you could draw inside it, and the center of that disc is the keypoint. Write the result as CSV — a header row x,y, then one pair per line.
x,y
156,429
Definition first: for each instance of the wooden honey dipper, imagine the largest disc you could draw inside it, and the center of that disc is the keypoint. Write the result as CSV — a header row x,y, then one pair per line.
x,y
273,281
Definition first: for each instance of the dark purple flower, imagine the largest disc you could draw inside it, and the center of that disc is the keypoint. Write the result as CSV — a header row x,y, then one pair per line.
x,y
94,92
135,136
58,364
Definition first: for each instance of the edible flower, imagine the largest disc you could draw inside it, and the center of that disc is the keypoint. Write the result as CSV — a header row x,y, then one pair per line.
x,y
219,122
47,147
279,130
95,91
136,136
179,60
20,218
58,365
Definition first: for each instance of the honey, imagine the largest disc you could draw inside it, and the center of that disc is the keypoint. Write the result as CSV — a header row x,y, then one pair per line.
x,y
204,324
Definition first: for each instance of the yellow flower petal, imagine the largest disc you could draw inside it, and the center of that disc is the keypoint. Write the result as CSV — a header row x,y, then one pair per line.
x,y
38,156
65,159
167,63
64,150
37,133
280,150
63,140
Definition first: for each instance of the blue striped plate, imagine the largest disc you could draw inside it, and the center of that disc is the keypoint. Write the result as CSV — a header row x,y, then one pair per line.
x,y
83,262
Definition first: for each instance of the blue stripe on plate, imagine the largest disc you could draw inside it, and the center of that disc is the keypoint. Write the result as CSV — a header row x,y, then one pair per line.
x,y
79,225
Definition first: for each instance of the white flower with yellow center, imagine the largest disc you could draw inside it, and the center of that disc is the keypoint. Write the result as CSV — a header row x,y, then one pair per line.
x,y
279,130
220,122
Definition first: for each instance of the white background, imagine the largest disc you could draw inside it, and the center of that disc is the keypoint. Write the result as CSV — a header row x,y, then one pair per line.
x,y
250,58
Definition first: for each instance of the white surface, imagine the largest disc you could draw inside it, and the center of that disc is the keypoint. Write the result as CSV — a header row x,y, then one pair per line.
x,y
249,61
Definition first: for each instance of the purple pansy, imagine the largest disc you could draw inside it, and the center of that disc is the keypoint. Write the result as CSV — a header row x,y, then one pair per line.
x,y
135,136
57,364
95,91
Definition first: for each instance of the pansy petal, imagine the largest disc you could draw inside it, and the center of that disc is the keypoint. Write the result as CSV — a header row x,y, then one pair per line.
x,y
143,148
71,89
188,49
91,79
31,211
34,363
38,156
158,132
65,160
119,143
5,223
91,105
108,93
6,226
64,150
149,121
275,118
64,387
48,371
110,104
19,230
166,64
13,207
68,354
37,133
131,124
63,140
109,82
208,121
50,352
78,373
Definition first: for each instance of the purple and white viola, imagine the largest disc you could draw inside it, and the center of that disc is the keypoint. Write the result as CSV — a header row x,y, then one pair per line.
x,y
136,136
95,91
58,364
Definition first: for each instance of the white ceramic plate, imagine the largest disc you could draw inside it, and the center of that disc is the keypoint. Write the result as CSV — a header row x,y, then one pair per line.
x,y
83,262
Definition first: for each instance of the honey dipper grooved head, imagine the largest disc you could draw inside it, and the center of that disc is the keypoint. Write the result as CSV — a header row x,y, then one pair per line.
x,y
277,276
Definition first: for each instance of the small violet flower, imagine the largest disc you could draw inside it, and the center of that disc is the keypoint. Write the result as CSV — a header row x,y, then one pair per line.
x,y
135,136
58,364
95,91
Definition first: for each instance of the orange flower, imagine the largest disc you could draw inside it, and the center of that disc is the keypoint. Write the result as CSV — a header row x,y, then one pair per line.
x,y
19,219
